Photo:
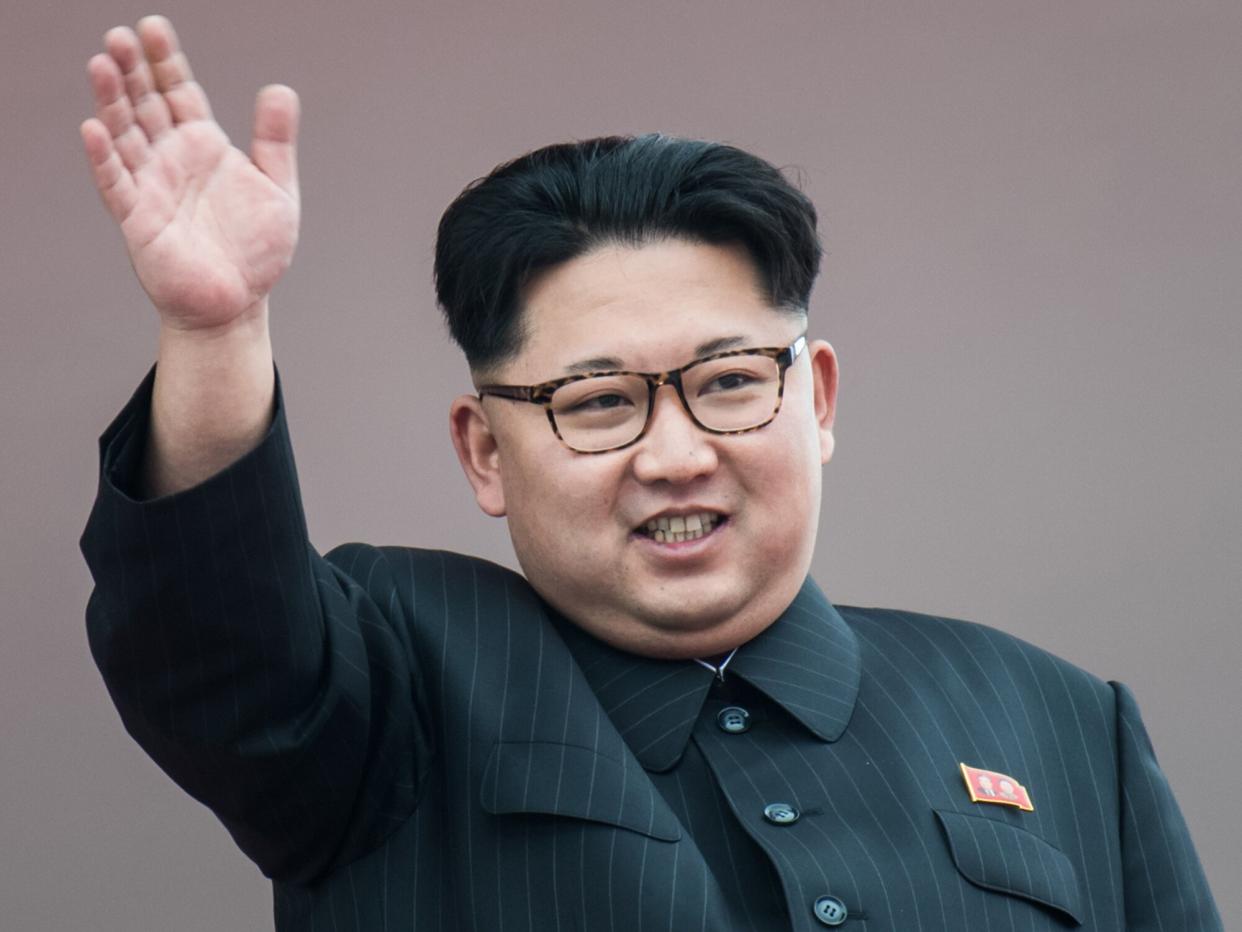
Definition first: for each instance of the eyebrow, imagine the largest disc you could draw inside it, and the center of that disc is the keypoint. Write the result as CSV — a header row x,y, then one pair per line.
x,y
604,363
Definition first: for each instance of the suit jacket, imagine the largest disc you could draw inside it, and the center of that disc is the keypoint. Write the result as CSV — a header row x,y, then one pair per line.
x,y
404,739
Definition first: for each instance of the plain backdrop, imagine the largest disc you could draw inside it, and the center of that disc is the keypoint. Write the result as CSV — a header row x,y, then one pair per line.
x,y
1033,221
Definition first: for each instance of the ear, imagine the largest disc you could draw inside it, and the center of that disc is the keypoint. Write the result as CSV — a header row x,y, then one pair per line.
x,y
478,453
824,372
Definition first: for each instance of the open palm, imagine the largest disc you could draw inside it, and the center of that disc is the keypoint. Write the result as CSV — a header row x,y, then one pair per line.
x,y
208,228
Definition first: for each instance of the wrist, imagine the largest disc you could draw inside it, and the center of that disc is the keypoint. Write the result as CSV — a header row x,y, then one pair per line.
x,y
250,326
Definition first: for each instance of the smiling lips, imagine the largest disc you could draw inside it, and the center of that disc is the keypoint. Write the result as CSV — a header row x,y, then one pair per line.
x,y
674,528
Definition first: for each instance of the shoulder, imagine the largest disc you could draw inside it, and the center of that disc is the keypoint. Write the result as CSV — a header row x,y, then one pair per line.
x,y
357,559
423,581
967,654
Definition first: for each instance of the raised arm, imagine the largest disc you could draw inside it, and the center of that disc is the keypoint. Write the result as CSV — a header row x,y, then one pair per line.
x,y
268,681
209,230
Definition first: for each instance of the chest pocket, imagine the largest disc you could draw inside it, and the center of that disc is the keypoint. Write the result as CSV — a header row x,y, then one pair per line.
x,y
1002,857
565,780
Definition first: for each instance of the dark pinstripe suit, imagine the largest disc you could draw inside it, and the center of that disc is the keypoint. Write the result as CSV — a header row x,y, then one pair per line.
x,y
409,739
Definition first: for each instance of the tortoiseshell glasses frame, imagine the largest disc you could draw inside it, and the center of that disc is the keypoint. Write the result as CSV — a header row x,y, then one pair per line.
x,y
541,393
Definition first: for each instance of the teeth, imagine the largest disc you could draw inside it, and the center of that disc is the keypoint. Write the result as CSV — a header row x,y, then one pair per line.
x,y
668,530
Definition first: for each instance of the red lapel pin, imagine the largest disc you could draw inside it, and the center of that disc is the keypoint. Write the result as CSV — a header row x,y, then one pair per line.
x,y
988,786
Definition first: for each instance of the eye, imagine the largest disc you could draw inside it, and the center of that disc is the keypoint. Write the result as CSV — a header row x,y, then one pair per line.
x,y
728,381
606,401
599,398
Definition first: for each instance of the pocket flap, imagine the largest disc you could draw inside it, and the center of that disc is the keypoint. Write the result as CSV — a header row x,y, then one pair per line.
x,y
565,780
999,856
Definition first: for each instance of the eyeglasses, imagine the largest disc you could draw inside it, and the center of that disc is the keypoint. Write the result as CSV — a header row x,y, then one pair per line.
x,y
725,393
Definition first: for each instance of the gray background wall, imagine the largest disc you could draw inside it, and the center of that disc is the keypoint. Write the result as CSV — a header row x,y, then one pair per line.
x,y
1033,213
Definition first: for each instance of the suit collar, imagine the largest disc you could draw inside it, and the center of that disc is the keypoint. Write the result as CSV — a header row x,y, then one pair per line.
x,y
653,703
807,661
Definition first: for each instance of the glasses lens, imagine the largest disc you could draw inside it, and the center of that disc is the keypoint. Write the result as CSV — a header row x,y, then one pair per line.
x,y
733,393
601,412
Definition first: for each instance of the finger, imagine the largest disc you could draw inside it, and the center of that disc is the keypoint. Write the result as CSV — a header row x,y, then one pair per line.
x,y
112,179
113,110
274,146
171,71
150,109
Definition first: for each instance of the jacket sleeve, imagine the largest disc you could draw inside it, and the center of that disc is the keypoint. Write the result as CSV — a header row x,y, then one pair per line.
x,y
1165,887
264,679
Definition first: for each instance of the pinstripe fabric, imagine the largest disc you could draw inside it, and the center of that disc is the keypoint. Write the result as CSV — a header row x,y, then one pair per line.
x,y
409,739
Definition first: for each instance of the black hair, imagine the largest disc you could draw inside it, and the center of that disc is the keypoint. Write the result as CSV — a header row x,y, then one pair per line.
x,y
562,201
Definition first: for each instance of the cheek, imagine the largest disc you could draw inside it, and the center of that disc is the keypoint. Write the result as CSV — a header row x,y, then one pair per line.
x,y
556,501
791,452
782,477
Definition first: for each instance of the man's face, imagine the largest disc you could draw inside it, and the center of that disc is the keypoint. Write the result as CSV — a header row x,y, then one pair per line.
x,y
576,519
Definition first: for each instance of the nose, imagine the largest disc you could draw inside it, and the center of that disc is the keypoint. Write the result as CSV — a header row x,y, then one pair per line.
x,y
674,449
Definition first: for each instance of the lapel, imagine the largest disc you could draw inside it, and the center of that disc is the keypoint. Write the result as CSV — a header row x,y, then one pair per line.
x,y
565,758
807,661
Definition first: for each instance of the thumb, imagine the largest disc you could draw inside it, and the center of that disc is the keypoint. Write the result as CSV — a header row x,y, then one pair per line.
x,y
273,148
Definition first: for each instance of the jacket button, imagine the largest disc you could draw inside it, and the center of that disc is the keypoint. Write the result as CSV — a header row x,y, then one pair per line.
x,y
733,719
830,911
780,813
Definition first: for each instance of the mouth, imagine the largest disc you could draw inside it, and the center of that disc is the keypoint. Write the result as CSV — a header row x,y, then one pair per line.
x,y
676,528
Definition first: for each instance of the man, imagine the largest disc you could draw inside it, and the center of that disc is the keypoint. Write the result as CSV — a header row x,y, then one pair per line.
x,y
663,723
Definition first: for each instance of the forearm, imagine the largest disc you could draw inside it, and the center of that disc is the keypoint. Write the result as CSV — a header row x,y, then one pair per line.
x,y
261,677
211,404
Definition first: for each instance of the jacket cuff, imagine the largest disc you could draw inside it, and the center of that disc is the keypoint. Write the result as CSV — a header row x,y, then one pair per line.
x,y
161,557
123,442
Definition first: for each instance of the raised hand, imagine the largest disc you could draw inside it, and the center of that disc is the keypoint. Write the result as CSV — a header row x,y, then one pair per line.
x,y
209,229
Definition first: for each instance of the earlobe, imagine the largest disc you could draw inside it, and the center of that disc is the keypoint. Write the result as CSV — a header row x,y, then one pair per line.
x,y
824,371
478,453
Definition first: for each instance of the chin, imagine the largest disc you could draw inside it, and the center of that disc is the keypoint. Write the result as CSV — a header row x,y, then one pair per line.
x,y
679,619
698,606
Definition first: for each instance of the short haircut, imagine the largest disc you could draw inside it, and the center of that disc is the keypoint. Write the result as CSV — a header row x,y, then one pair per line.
x,y
562,201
